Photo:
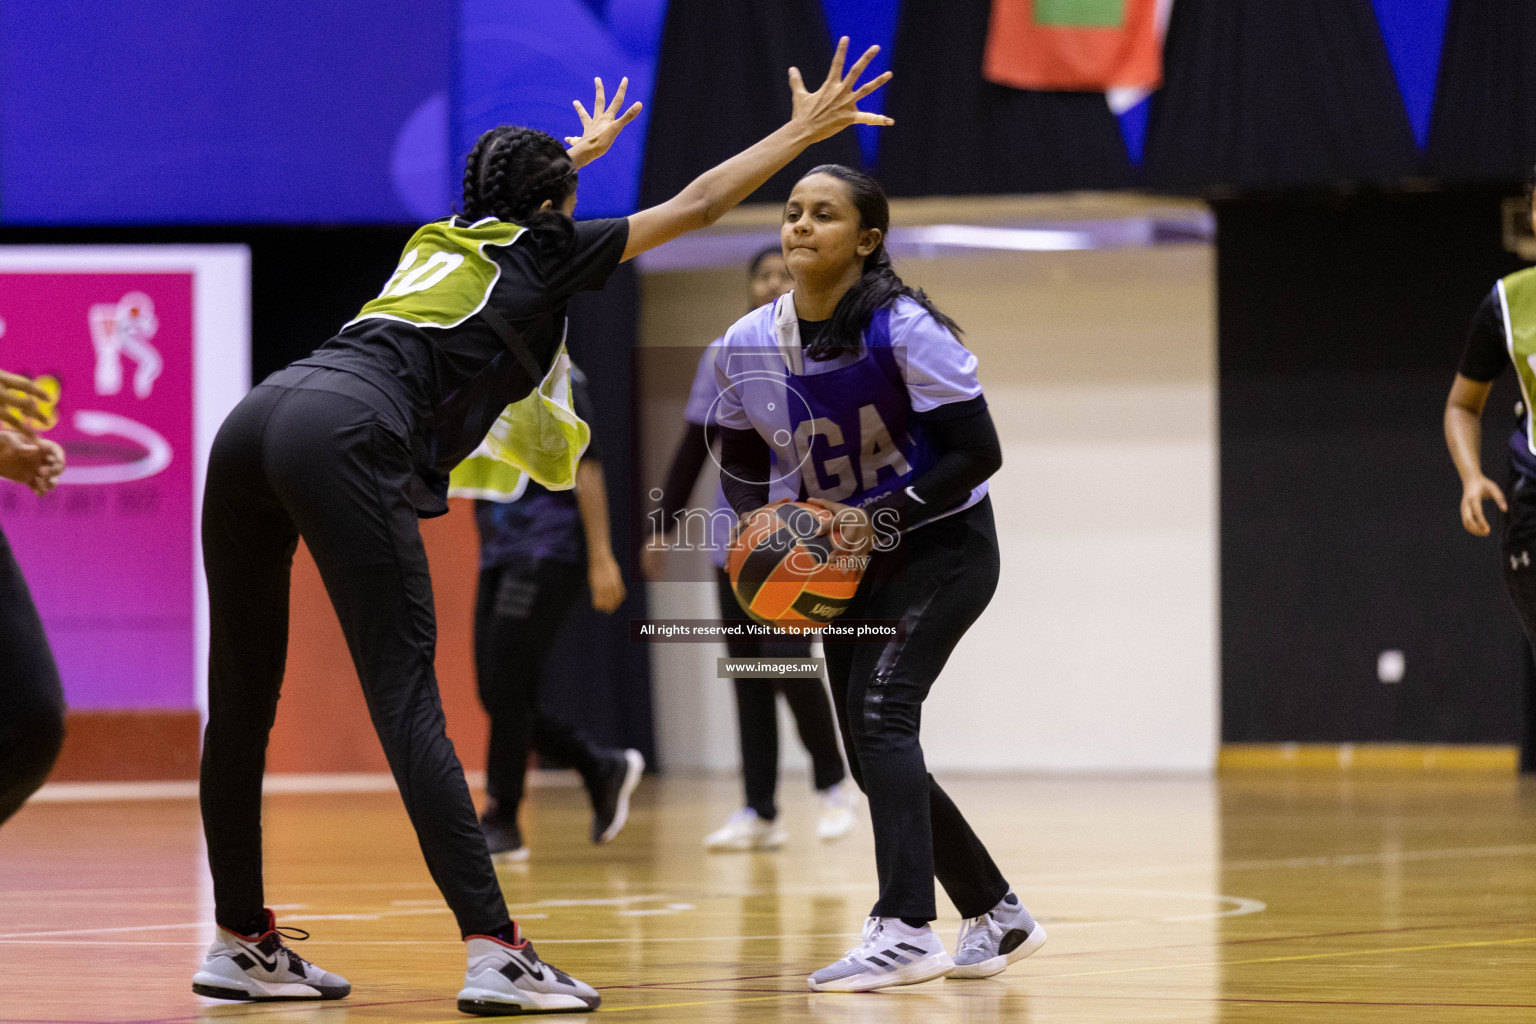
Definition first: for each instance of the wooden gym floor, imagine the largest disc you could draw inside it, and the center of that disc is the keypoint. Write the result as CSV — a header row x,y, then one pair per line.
x,y
1273,896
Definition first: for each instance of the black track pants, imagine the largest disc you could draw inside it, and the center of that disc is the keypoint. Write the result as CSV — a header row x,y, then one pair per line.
x,y
518,614
757,714
1519,550
307,458
937,581
31,700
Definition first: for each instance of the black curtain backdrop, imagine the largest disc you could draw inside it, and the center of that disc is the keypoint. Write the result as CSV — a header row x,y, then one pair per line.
x,y
722,84
307,281
1259,95
1484,124
957,134
1340,536
1263,94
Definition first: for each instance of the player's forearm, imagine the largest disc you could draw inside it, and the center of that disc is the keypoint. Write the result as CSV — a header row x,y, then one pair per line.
x,y
592,503
968,454
1464,440
744,462
687,461
724,186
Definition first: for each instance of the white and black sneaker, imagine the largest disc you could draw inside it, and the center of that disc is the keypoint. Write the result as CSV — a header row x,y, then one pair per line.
x,y
620,774
509,978
991,942
260,967
891,954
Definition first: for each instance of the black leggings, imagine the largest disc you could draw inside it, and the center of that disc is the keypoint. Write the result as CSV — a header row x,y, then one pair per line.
x,y
31,700
303,455
1519,549
757,714
937,582
518,614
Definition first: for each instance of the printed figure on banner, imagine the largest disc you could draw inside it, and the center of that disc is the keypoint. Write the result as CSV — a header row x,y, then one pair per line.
x,y
125,329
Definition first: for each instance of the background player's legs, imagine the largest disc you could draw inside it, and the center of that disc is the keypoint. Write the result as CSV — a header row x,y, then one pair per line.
x,y
519,613
31,699
757,726
757,719
878,690
348,498
248,545
807,699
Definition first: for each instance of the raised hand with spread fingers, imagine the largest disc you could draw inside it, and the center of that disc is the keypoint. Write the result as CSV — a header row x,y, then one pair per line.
x,y
601,128
817,115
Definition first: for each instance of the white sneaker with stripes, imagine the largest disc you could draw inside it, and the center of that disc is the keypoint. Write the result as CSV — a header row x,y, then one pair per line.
x,y
891,954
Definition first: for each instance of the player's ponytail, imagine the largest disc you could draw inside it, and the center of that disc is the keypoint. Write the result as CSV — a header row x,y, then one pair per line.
x,y
880,285
511,172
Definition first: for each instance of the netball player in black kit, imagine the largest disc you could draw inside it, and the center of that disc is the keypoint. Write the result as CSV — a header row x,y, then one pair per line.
x,y
1503,334
861,384
31,699
348,447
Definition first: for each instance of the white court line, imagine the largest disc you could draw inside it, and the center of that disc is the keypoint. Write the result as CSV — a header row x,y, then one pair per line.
x,y
453,942
1338,860
277,783
106,931
1245,905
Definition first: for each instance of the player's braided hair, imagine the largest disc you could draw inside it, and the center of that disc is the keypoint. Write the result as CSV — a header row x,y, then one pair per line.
x,y
880,286
511,172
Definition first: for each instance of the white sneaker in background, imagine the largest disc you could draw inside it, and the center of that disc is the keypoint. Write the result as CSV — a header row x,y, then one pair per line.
x,y
509,978
891,954
746,831
836,817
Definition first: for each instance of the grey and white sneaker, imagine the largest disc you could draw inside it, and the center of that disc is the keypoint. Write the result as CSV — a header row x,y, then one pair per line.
x,y
891,954
509,978
989,943
260,968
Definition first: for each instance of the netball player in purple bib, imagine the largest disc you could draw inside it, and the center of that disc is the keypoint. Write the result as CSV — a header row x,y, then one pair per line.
x,y
858,385
755,825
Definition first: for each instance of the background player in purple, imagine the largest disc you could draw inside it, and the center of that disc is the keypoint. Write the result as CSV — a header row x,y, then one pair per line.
x,y
755,826
856,387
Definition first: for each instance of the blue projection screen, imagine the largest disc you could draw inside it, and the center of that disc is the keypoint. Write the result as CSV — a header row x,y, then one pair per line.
x,y
186,112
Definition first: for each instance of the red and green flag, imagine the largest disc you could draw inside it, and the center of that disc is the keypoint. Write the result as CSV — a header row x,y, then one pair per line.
x,y
1075,45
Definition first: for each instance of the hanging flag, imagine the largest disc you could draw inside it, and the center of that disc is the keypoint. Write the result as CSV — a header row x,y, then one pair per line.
x,y
1075,45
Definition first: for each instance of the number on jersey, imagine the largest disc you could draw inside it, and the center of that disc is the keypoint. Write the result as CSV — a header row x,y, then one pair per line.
x,y
406,280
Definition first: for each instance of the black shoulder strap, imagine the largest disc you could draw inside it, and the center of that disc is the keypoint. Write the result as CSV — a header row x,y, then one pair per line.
x,y
514,343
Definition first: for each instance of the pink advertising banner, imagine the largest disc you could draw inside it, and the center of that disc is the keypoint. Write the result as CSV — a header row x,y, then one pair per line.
x,y
111,554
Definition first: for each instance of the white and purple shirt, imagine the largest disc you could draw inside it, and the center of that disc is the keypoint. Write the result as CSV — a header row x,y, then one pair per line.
x,y
842,428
